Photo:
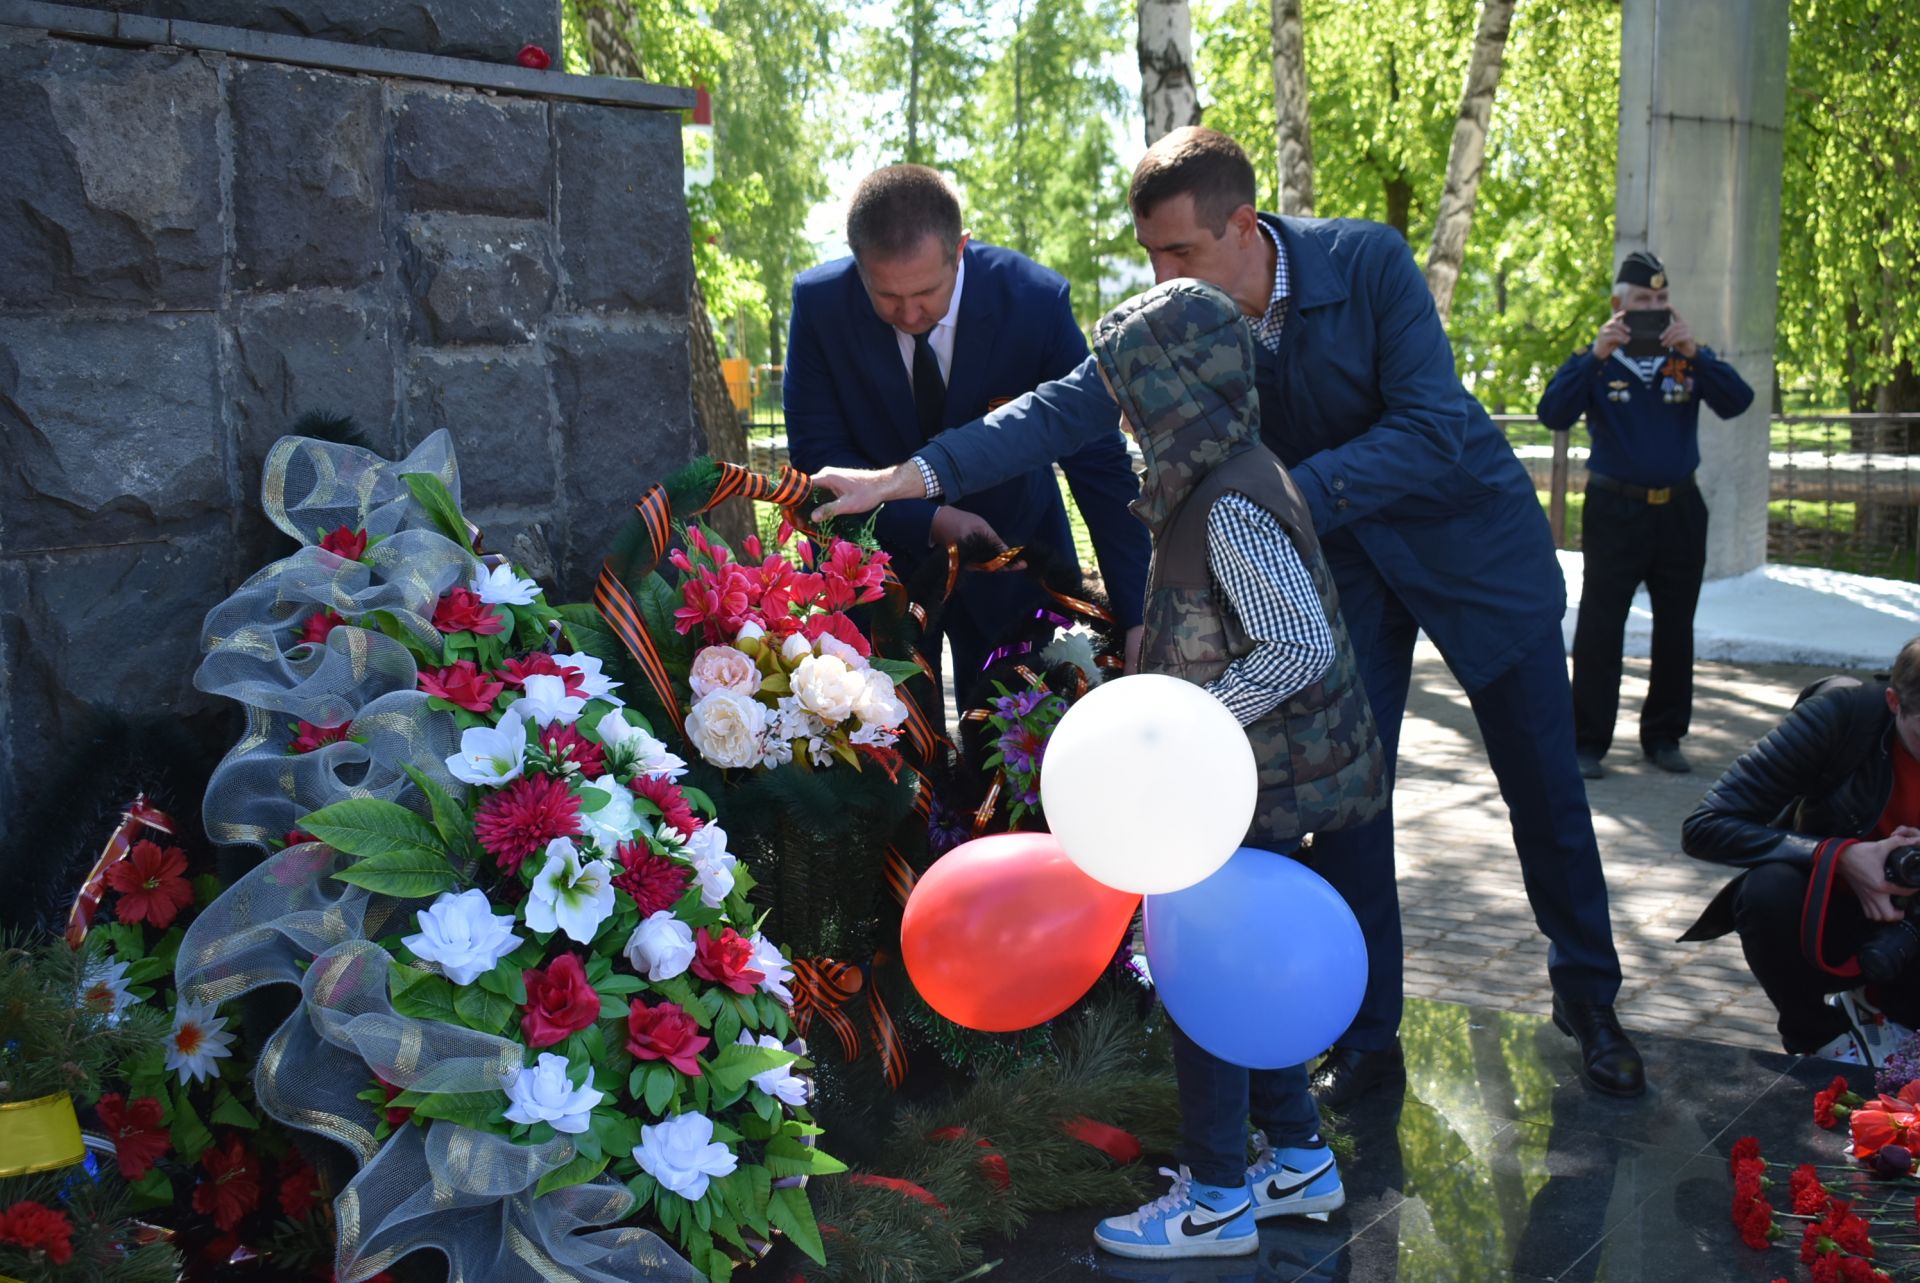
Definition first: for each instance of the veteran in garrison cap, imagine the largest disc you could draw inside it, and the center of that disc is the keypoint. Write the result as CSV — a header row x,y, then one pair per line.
x,y
1640,384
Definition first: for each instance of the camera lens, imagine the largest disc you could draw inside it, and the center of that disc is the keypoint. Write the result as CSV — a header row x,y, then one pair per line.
x,y
1889,951
1903,866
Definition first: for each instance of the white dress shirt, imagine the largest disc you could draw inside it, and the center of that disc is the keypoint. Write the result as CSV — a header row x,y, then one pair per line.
x,y
941,339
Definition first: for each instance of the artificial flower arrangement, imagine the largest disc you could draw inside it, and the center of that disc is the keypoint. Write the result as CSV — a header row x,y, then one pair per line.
x,y
550,910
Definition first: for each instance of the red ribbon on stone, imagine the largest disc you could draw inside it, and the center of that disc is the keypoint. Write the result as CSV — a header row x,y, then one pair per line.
x,y
898,1186
1116,1143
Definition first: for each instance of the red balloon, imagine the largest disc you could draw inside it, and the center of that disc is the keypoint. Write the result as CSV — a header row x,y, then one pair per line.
x,y
1006,932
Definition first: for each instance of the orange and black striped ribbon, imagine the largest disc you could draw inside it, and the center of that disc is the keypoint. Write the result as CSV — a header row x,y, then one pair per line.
x,y
138,815
824,987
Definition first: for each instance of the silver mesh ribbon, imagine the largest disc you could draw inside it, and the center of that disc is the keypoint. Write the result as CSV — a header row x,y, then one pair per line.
x,y
464,1193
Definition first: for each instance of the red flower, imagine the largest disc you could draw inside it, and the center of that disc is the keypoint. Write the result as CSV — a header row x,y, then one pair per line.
x,y
1826,1270
296,837
152,885
559,1001
137,1131
839,626
1853,1234
1756,1226
540,664
1825,1113
462,683
1874,1128
565,744
654,881
533,57
853,575
307,737
232,1187
396,1117
299,1189
524,816
351,544
36,1227
665,1032
718,600
724,960
1809,1195
675,811
315,630
1747,1147
462,611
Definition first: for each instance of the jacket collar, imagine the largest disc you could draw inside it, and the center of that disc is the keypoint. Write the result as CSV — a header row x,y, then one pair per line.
x,y
1315,281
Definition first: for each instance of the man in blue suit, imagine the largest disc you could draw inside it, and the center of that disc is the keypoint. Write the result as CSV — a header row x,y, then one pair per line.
x,y
921,330
1427,521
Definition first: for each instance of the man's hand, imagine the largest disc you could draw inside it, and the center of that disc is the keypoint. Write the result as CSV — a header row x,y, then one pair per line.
x,y
956,525
1132,648
864,489
1612,335
1864,866
1679,336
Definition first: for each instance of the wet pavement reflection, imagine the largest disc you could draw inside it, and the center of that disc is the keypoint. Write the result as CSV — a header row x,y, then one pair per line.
x,y
1499,1163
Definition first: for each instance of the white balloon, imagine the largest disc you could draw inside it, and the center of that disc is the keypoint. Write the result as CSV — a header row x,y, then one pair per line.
x,y
1149,783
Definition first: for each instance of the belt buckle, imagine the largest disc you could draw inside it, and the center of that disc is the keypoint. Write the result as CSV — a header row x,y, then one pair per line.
x,y
1660,494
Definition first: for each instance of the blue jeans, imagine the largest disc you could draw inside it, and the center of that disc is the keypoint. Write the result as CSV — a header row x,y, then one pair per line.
x,y
1216,1101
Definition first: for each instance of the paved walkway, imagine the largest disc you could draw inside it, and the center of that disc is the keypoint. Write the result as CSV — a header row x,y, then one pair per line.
x,y
1470,935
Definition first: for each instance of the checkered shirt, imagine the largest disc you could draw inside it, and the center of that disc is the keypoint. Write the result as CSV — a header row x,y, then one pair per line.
x,y
1268,586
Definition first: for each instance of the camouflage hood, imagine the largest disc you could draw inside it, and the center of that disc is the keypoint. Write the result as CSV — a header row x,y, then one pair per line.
x,y
1180,360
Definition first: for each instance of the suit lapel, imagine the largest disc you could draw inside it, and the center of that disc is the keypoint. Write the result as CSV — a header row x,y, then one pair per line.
x,y
885,372
973,342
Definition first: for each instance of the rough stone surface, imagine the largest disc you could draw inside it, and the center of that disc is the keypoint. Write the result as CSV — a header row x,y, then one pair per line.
x,y
623,427
491,30
309,177
473,154
623,220
500,412
478,280
108,199
111,429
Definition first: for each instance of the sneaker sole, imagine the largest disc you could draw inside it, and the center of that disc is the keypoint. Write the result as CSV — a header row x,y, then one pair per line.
x,y
1319,1205
1240,1245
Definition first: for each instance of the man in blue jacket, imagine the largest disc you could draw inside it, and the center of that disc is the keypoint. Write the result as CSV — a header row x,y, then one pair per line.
x,y
1427,521
1645,521
921,330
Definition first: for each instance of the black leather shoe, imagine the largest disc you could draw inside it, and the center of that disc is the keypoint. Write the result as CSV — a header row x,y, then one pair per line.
x,y
1349,1073
1590,768
1608,1058
1669,758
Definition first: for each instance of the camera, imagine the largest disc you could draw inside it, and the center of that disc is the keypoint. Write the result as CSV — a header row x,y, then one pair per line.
x,y
1644,329
1891,949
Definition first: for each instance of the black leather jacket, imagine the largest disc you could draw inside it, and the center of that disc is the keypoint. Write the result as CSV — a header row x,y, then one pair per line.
x,y
1824,772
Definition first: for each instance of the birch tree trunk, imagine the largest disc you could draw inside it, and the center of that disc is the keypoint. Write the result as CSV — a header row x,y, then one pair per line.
x,y
1167,91
1466,161
1293,130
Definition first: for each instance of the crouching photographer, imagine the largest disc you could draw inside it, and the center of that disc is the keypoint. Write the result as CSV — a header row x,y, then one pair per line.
x,y
1823,817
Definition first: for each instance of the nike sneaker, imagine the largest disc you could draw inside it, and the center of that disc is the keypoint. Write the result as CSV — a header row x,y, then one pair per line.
x,y
1191,1219
1300,1180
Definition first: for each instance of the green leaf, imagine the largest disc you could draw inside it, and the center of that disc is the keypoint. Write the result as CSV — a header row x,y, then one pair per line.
x,y
792,1214
228,1110
152,1190
367,826
449,817
578,1172
421,995
590,634
406,874
657,602
487,1012
661,1081
477,1109
432,494
592,799
736,1064
899,669
620,985
726,1026
190,1136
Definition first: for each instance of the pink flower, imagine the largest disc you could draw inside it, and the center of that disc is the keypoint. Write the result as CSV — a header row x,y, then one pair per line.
x,y
718,601
307,737
836,625
540,664
462,611
315,630
852,575
462,683
726,959
665,1032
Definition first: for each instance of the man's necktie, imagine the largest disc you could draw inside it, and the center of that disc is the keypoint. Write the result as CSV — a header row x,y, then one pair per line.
x,y
929,389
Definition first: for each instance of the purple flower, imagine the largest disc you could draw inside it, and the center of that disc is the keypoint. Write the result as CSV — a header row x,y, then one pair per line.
x,y
1900,1068
1014,707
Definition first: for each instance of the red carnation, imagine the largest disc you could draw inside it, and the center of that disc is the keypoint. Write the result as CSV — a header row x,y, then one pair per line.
x,y
1756,1224
675,811
1809,1195
307,737
665,1032
36,1227
299,1189
315,630
654,881
563,743
152,884
533,57
540,664
232,1187
524,816
724,959
559,1002
137,1130
1747,1147
462,611
462,683
351,544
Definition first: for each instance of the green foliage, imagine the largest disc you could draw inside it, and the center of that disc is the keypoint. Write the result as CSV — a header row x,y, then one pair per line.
x,y
923,59
50,1041
103,1244
432,494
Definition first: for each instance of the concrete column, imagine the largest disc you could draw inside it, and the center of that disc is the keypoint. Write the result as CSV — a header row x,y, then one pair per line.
x,y
1702,99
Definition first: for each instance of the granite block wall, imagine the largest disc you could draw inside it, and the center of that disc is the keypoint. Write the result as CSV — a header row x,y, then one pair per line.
x,y
197,247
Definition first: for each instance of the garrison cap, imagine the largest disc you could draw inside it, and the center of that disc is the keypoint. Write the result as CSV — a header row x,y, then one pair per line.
x,y
1642,269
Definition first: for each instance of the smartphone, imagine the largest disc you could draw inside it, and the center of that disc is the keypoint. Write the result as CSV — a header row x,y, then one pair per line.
x,y
1644,330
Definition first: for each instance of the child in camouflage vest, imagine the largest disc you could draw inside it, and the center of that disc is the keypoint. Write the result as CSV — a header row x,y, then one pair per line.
x,y
1240,600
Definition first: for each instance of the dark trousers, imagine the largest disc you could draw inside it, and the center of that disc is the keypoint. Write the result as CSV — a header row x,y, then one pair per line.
x,y
1629,542
1524,719
1767,915
1216,1101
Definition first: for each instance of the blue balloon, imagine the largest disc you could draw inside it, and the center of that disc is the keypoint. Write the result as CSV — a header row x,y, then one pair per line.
x,y
1262,964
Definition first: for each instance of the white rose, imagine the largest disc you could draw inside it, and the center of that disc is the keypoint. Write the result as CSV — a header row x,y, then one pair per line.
x,y
723,668
878,704
544,701
662,946
616,821
712,864
725,727
462,934
780,1082
773,967
827,687
795,647
542,1094
831,645
682,1155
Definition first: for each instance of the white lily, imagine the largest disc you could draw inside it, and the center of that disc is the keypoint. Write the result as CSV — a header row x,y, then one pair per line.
x,y
569,896
491,755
